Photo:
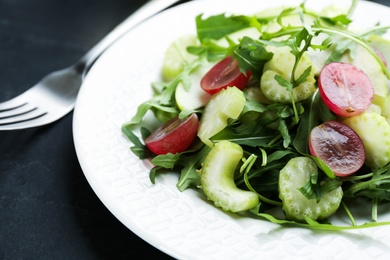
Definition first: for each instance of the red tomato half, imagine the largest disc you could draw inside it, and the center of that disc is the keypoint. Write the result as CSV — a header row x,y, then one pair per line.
x,y
345,89
175,136
225,73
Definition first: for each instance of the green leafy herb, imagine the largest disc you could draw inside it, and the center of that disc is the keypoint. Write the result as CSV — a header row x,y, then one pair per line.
x,y
218,26
251,55
378,186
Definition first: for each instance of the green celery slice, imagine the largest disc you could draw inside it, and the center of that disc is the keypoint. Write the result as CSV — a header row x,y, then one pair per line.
x,y
297,207
227,103
217,178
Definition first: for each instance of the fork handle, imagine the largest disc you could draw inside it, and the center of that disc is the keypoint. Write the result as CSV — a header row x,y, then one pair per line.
x,y
149,9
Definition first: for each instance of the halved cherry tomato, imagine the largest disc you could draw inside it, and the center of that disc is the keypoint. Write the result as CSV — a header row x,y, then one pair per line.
x,y
225,73
175,136
338,146
345,89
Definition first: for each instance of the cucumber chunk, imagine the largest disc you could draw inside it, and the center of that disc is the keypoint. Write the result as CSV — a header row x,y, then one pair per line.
x,y
385,108
217,178
381,44
295,175
227,103
374,131
176,55
364,60
195,97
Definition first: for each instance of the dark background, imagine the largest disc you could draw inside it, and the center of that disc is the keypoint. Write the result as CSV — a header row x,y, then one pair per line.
x,y
47,208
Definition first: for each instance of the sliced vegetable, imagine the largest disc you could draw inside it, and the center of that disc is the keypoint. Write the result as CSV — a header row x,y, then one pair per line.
x,y
382,45
174,136
194,97
225,73
365,61
338,146
255,94
385,109
282,64
357,55
228,103
176,55
345,89
295,175
374,131
217,178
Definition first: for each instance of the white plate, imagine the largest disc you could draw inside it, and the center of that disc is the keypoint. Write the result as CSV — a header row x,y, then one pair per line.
x,y
184,225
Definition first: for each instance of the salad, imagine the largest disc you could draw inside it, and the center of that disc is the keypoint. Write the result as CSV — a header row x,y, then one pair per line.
x,y
284,114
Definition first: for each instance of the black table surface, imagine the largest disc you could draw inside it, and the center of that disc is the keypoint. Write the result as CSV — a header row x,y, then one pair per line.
x,y
47,208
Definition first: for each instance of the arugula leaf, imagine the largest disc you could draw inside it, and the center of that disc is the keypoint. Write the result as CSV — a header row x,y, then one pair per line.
x,y
303,77
251,55
247,134
377,187
210,50
325,44
314,225
189,176
284,83
218,26
283,129
139,149
285,12
167,161
253,106
311,191
279,154
341,19
153,172
315,189
324,167
308,121
340,48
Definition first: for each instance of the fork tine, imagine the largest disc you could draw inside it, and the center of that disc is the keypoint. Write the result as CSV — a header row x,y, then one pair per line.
x,y
20,122
35,107
21,114
15,111
15,102
5,109
22,108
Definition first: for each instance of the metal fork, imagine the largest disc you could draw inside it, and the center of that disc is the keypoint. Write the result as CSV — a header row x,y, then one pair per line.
x,y
55,95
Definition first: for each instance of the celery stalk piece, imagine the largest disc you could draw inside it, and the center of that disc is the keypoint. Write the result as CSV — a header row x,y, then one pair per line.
x,y
217,178
294,176
282,64
227,103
